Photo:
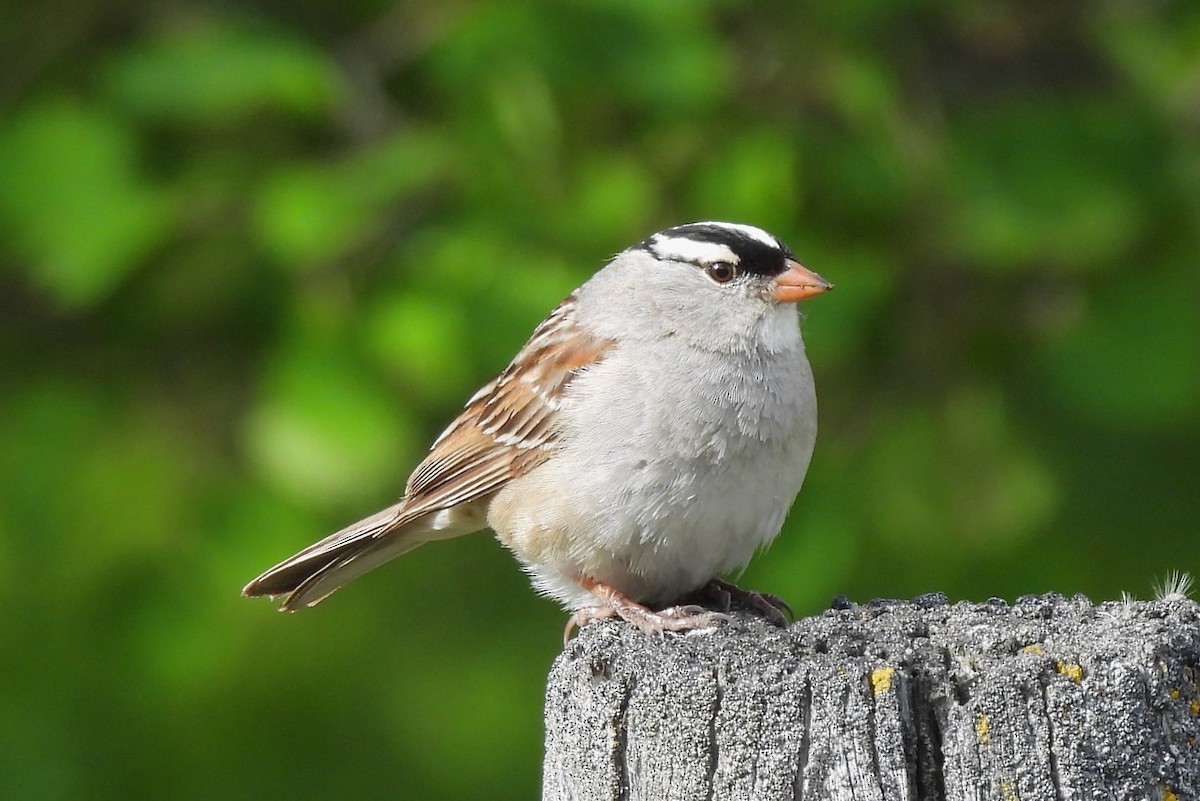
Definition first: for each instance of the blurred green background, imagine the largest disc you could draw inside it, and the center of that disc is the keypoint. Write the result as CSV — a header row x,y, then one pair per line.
x,y
253,256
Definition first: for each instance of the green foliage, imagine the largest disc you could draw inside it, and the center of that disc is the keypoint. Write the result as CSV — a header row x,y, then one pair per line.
x,y
218,72
252,261
80,216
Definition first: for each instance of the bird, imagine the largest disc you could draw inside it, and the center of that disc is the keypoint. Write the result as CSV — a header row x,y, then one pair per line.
x,y
649,437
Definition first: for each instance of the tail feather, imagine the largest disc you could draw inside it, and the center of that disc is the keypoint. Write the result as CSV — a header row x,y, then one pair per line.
x,y
309,576
354,562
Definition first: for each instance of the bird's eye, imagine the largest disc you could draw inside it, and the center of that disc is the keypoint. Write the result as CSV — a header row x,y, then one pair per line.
x,y
721,271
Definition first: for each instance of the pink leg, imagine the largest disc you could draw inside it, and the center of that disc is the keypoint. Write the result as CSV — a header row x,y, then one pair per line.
x,y
614,603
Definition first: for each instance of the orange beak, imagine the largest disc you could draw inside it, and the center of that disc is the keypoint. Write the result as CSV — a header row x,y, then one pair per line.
x,y
798,283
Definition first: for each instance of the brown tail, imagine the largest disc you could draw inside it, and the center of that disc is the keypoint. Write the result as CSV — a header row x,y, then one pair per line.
x,y
312,574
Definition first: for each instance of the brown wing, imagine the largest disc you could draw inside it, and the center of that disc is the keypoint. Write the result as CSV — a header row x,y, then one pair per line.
x,y
507,428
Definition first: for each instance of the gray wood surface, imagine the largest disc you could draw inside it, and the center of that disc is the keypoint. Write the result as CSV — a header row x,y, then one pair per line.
x,y
1045,698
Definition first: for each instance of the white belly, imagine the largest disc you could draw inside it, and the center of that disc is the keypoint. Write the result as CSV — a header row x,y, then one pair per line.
x,y
661,486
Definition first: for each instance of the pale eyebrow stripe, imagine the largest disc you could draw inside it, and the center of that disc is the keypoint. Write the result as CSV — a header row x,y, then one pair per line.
x,y
681,248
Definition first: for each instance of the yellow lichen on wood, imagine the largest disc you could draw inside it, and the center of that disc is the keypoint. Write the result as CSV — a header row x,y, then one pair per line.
x,y
981,727
1034,649
1071,670
881,679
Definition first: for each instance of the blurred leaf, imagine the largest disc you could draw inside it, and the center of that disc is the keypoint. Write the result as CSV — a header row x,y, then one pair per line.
x,y
78,214
217,71
864,90
446,726
524,110
1040,183
754,179
675,64
35,764
309,214
425,339
102,486
322,432
613,197
661,56
507,285
1159,54
1134,359
960,476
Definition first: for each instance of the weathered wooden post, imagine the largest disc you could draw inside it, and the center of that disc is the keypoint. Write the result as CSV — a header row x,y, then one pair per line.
x,y
1047,698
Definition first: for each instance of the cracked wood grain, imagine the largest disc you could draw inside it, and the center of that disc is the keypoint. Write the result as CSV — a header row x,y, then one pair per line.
x,y
1047,698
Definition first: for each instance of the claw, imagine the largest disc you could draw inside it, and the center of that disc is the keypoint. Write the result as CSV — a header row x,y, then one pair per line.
x,y
773,607
615,603
584,616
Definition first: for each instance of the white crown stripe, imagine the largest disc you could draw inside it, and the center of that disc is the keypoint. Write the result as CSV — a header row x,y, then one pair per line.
x,y
680,248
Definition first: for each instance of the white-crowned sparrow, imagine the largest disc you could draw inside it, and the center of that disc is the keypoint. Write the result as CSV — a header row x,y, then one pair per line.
x,y
649,437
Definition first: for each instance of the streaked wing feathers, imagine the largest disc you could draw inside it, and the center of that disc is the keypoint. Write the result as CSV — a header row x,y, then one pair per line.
x,y
507,428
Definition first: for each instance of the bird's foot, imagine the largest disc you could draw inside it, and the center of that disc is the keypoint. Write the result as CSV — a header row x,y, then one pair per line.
x,y
584,616
774,608
615,603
